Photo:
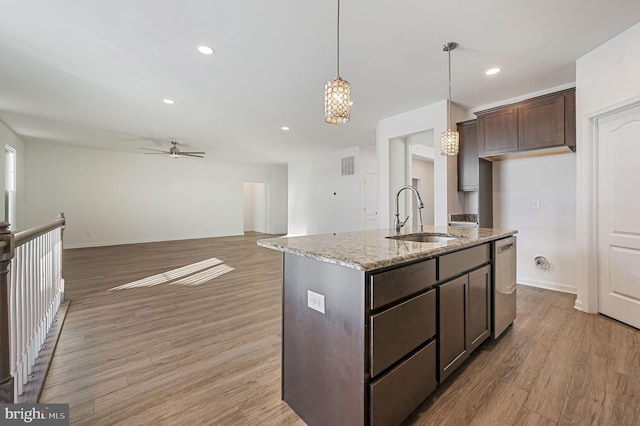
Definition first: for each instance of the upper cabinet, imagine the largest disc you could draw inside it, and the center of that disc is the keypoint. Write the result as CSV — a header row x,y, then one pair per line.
x,y
468,156
544,122
498,131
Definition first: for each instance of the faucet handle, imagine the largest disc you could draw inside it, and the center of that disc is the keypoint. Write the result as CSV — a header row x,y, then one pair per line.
x,y
403,222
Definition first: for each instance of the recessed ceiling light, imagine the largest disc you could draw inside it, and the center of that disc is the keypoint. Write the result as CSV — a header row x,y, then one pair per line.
x,y
285,128
206,50
169,101
492,71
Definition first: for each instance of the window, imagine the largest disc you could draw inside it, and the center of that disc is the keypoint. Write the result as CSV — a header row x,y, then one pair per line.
x,y
10,185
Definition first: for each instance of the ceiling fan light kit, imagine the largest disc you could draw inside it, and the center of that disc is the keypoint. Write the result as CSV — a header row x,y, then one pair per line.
x,y
449,140
337,92
174,152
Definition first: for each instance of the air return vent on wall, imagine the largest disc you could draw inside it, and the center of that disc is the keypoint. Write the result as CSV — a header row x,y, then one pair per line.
x,y
347,166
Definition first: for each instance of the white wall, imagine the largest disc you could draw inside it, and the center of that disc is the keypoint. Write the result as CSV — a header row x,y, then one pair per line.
x,y
546,231
323,201
606,79
255,201
432,117
397,177
7,136
114,197
423,171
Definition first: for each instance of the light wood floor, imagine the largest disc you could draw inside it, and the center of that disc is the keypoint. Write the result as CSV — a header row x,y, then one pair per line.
x,y
210,354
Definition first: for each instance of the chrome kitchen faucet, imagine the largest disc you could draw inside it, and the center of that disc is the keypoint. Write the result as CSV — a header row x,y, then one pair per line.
x,y
396,222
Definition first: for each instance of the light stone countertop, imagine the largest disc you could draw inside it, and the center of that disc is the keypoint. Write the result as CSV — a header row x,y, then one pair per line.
x,y
370,250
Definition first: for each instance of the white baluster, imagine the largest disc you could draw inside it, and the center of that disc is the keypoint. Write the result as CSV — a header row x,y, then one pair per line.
x,y
35,289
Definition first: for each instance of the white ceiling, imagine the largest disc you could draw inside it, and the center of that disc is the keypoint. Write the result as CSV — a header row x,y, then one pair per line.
x,y
94,73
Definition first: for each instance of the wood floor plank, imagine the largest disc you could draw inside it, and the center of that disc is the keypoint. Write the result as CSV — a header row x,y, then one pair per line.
x,y
211,354
585,394
528,417
622,393
505,403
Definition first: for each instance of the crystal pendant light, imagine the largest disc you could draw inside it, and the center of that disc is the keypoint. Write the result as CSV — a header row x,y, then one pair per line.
x,y
337,92
449,140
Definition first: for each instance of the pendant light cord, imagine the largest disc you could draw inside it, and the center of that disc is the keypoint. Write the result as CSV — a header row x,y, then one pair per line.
x,y
338,43
449,103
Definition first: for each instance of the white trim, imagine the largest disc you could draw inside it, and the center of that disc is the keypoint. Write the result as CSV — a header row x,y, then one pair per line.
x,y
564,288
578,305
147,240
522,97
627,103
587,203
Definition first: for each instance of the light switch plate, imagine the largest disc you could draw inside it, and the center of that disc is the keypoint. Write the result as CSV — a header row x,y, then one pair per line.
x,y
315,301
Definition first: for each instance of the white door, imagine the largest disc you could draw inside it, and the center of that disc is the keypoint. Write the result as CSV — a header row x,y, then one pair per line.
x,y
370,201
618,171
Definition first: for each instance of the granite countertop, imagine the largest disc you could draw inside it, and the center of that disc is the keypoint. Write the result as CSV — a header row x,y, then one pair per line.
x,y
370,250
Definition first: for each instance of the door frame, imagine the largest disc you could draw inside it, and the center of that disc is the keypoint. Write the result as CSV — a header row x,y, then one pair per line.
x,y
587,203
263,206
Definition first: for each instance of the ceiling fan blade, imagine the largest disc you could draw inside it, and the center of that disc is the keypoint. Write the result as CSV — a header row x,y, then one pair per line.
x,y
155,153
158,150
191,152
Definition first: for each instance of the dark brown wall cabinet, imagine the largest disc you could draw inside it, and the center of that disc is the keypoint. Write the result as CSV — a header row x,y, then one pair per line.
x,y
468,168
544,122
474,173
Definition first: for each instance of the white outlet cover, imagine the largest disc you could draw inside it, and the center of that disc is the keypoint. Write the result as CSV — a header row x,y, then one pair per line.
x,y
535,204
315,301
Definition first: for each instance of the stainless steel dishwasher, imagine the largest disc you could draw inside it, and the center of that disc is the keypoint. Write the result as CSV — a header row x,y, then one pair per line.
x,y
504,296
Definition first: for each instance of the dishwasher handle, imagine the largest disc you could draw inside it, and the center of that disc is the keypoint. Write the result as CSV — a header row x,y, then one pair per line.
x,y
505,247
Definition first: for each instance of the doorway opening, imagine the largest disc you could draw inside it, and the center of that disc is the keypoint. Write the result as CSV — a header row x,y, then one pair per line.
x,y
255,207
411,162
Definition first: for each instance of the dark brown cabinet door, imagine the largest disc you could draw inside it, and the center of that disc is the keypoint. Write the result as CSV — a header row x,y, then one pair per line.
x,y
468,156
479,325
498,131
452,316
541,123
547,121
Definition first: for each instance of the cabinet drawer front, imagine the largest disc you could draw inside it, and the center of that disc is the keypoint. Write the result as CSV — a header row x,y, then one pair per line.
x,y
395,284
397,331
395,395
462,261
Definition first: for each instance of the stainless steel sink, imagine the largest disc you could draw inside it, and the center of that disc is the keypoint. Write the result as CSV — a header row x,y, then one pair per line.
x,y
425,237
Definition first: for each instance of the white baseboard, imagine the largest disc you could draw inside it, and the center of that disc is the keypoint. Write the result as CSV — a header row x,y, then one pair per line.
x,y
564,288
578,305
140,241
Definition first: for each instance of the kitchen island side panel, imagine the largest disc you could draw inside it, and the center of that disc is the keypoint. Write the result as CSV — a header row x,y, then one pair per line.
x,y
323,354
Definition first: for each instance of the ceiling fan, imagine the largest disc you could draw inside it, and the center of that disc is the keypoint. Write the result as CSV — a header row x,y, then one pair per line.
x,y
175,152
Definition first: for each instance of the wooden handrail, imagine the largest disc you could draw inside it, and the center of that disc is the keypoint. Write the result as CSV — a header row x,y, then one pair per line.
x,y
33,233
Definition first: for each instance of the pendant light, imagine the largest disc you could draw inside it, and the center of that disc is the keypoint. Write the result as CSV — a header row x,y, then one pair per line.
x,y
450,140
337,92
